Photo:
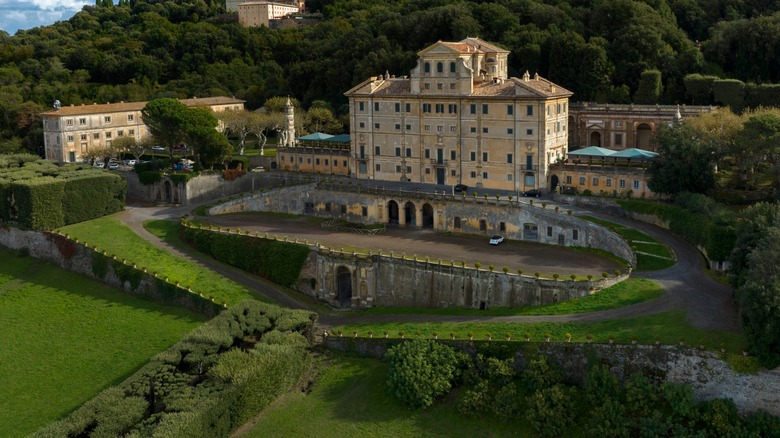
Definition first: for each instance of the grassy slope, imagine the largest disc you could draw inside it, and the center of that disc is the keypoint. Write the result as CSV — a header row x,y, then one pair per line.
x,y
636,237
109,234
350,399
66,337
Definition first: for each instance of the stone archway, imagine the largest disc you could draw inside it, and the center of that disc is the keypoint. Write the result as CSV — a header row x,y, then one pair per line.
x,y
344,286
554,182
644,135
392,212
410,213
427,216
595,139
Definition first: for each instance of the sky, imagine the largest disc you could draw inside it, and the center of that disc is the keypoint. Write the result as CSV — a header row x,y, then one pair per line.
x,y
26,14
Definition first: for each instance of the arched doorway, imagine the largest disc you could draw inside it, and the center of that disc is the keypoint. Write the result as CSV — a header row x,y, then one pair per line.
x,y
553,182
644,135
410,213
344,285
392,212
595,139
427,213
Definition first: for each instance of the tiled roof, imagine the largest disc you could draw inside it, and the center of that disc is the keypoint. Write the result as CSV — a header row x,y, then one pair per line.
x,y
402,87
105,108
461,47
482,45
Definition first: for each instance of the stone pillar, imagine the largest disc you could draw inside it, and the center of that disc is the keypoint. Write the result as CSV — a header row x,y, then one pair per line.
x,y
418,217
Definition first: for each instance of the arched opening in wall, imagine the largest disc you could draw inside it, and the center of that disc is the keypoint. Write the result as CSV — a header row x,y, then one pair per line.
x,y
530,231
644,135
427,216
410,213
595,139
554,182
344,281
392,212
457,222
482,225
168,190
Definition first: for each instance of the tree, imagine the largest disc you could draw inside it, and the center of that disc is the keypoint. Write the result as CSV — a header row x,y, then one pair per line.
x,y
164,118
716,131
321,120
420,371
682,164
760,138
237,123
131,146
261,123
209,146
649,91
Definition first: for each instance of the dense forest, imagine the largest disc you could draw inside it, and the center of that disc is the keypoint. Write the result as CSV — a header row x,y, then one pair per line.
x,y
601,50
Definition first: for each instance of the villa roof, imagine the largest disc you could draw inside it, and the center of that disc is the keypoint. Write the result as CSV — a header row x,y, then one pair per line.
x,y
96,108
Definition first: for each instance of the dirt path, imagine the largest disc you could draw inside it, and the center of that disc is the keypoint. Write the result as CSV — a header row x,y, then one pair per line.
x,y
708,304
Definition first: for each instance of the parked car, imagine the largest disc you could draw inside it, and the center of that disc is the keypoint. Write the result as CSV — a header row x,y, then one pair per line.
x,y
258,169
495,240
100,164
113,166
158,148
130,162
461,188
535,193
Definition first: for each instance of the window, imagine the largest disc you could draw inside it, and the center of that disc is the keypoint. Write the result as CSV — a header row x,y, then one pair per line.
x,y
327,207
608,182
362,125
397,126
427,170
308,161
484,156
398,107
452,86
452,108
473,156
582,180
317,161
439,108
452,67
397,169
376,106
378,168
568,179
473,108
637,185
365,210
453,172
618,139
557,126
408,169
120,133
484,108
69,122
130,117
345,164
131,132
96,136
510,131
484,175
107,119
326,161
575,234
549,231
502,226
408,127
377,150
427,153
509,158
558,109
427,67
376,125
529,110
361,106
622,183
408,152
529,132
452,128
473,174
82,121
453,154
300,160
439,128
408,107
427,127
473,129
509,177
426,107
83,137
70,138
595,182
510,110
529,161
439,86
108,135
484,130
427,86
397,152
439,67
618,124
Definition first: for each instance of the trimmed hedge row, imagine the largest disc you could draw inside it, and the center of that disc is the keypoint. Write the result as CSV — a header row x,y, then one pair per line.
x,y
280,262
43,196
717,239
212,381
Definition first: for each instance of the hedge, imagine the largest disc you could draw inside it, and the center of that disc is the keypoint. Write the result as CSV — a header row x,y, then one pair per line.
x,y
280,262
215,379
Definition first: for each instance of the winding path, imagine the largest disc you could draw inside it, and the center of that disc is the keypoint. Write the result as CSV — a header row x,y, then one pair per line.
x,y
709,305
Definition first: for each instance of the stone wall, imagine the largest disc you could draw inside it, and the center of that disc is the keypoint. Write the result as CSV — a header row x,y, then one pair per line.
x,y
78,258
709,376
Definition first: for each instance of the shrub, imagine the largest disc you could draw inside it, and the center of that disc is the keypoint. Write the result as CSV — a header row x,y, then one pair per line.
x,y
148,177
420,371
549,411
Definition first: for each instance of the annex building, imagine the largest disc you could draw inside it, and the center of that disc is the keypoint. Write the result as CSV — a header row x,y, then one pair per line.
x,y
70,131
459,119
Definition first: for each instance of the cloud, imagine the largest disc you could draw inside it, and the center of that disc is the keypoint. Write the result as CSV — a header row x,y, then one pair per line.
x,y
27,14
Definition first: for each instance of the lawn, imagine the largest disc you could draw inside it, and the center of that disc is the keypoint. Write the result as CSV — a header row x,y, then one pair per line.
x,y
660,256
349,399
668,327
631,291
112,235
66,337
